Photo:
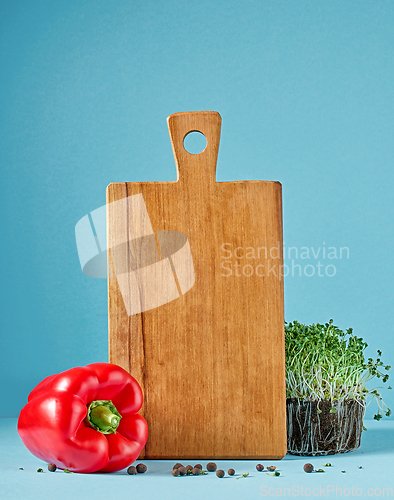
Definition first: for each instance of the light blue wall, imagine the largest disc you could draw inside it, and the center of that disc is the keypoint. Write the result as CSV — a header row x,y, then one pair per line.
x,y
305,90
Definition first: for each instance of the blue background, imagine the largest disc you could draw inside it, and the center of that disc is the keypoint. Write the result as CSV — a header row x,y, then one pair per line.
x,y
305,93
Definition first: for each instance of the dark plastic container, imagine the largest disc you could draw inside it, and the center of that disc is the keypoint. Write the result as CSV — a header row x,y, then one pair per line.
x,y
315,433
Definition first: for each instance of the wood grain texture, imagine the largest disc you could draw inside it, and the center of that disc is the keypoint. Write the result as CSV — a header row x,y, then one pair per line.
x,y
210,363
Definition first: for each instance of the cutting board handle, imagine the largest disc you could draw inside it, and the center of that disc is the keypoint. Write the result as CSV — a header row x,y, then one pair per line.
x,y
195,168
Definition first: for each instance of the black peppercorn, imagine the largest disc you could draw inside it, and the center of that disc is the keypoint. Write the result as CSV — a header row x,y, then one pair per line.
x,y
231,472
211,467
198,466
189,467
259,467
175,472
196,471
182,470
220,473
308,467
132,470
52,467
141,468
177,465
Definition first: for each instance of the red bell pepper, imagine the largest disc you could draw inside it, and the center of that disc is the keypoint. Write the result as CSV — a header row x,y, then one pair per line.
x,y
85,419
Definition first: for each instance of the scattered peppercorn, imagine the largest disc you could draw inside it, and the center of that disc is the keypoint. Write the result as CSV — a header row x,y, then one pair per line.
x,y
52,467
231,472
177,465
211,467
141,468
182,470
308,467
220,473
175,472
198,466
132,470
189,467
271,468
196,471
259,467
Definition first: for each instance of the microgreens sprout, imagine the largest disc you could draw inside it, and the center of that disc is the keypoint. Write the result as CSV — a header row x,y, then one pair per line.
x,y
320,470
244,474
40,470
323,362
327,465
276,473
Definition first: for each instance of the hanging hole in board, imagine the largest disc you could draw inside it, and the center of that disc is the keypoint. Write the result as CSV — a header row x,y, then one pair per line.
x,y
195,142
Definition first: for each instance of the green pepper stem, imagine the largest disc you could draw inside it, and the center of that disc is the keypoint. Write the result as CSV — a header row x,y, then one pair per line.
x,y
103,416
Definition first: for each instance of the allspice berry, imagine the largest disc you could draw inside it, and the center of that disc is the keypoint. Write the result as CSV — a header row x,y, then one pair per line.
x,y
211,467
308,467
220,473
182,470
175,472
198,466
196,471
132,470
177,465
52,467
141,468
259,467
231,472
189,467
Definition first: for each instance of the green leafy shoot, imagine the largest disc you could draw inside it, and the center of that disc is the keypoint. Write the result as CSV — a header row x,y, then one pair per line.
x,y
323,362
276,473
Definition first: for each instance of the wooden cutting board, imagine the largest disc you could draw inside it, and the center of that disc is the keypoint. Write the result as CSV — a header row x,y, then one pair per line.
x,y
196,309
